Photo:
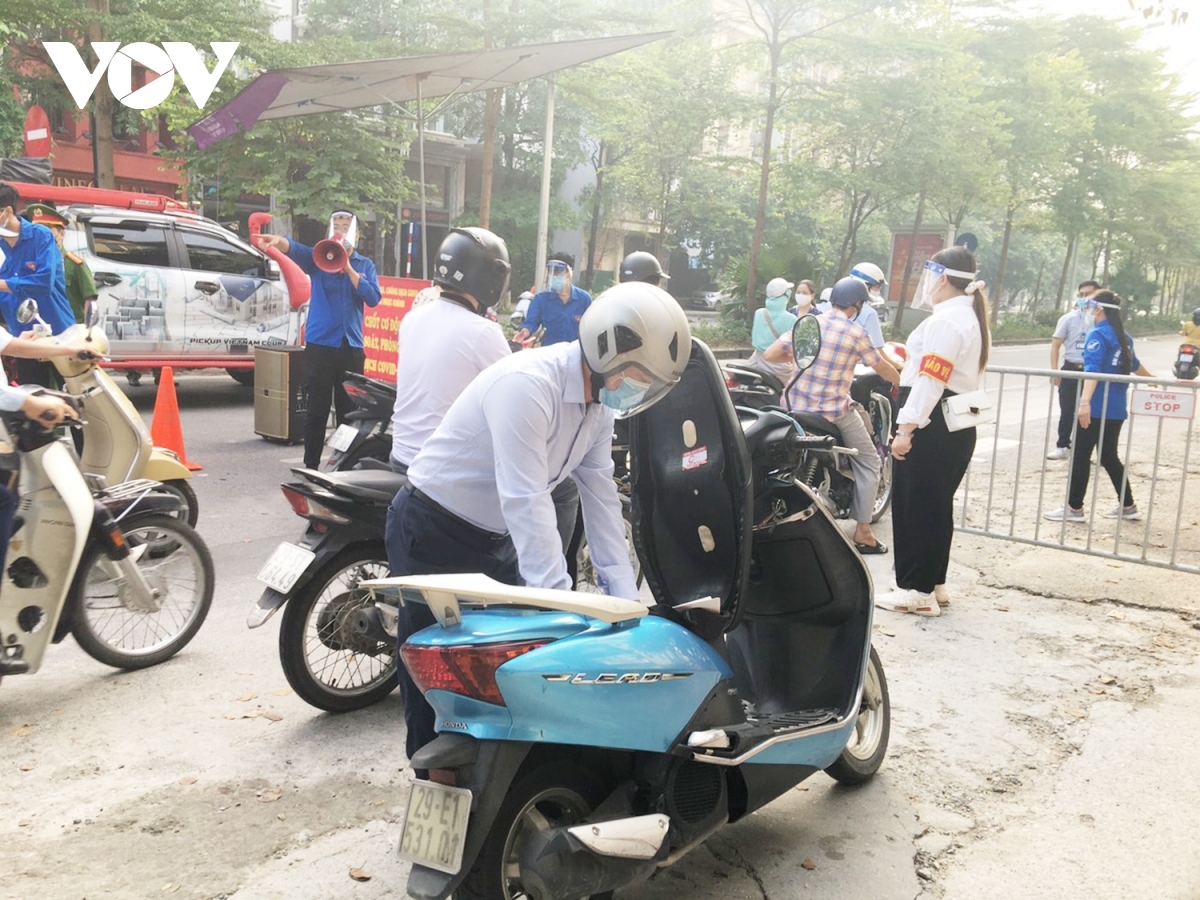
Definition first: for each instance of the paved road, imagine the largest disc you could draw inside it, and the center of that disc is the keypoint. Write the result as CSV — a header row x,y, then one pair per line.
x,y
1040,740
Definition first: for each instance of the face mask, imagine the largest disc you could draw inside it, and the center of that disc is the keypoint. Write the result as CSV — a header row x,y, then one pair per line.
x,y
626,396
556,282
1081,302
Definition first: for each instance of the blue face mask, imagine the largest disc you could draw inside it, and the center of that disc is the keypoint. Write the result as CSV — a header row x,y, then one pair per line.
x,y
625,396
1081,302
556,282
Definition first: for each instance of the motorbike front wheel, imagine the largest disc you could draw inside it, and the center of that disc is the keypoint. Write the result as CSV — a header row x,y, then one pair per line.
x,y
326,662
180,488
108,622
868,743
553,795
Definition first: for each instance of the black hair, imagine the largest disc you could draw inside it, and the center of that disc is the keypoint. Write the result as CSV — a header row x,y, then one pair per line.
x,y
8,196
1089,283
963,260
562,258
1118,323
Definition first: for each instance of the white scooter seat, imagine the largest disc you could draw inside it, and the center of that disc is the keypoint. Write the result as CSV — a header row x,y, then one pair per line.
x,y
442,594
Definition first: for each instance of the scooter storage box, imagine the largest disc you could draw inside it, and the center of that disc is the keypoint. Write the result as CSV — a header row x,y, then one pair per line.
x,y
280,393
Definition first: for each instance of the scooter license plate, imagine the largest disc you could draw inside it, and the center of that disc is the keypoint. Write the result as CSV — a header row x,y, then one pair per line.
x,y
285,567
435,828
1186,358
343,438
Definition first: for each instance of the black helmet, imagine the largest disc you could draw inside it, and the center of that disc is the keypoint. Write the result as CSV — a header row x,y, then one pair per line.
x,y
1196,316
849,291
473,261
643,266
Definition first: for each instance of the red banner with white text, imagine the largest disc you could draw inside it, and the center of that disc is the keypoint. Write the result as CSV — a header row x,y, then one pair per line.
x,y
381,325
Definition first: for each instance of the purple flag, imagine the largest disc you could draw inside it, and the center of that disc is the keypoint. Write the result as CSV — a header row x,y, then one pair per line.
x,y
243,110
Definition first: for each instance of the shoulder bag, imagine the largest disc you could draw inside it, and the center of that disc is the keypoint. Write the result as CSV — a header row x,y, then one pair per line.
x,y
969,410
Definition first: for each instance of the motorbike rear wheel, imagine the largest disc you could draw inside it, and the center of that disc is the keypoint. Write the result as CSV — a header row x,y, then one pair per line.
x,y
868,744
327,664
880,411
183,490
553,795
118,635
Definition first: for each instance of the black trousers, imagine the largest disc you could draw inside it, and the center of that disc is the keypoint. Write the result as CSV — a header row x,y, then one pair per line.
x,y
1068,396
326,368
423,539
1086,440
38,371
923,486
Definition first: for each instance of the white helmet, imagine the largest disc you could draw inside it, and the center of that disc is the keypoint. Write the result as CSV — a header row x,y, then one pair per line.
x,y
640,325
872,275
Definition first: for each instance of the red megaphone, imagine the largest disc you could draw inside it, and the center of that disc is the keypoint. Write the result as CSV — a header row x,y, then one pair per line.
x,y
330,255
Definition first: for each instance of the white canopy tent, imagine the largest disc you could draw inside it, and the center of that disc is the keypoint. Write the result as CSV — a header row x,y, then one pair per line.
x,y
340,87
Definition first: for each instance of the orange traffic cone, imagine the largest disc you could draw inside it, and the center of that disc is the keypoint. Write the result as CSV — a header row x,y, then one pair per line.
x,y
166,430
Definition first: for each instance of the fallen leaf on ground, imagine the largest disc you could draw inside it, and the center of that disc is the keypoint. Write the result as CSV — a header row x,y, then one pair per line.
x,y
360,875
232,716
25,823
1116,614
170,888
270,795
801,787
808,864
1001,609
1108,679
1096,690
280,817
272,715
28,767
1113,565
61,712
886,632
282,692
23,731
1077,713
188,779
246,698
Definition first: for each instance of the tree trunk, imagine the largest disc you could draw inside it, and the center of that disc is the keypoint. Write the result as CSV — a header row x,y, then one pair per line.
x,y
908,260
1107,253
1037,290
760,214
1072,242
491,116
998,292
103,107
593,232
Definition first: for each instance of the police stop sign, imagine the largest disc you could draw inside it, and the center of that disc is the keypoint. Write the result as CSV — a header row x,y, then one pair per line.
x,y
1164,404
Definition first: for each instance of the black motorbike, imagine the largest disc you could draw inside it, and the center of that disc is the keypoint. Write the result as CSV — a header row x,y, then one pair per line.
x,y
315,581
1187,362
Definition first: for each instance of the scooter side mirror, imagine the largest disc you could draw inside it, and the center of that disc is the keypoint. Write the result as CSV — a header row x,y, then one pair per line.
x,y
806,342
27,311
89,315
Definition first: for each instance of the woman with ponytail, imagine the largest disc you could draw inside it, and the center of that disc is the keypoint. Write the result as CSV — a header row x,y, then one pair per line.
x,y
1107,349
947,354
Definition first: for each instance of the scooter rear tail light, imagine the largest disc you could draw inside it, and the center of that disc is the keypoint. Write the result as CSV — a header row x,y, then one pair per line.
x,y
731,381
357,393
308,508
467,670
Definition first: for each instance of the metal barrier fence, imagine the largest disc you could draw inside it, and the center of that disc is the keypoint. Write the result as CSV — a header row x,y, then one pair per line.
x,y
1011,485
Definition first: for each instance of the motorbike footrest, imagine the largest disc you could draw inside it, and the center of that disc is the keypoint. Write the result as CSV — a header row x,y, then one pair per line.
x,y
757,728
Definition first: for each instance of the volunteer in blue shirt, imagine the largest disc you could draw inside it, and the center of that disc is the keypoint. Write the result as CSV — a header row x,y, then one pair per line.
x,y
479,493
1107,349
559,307
333,344
32,269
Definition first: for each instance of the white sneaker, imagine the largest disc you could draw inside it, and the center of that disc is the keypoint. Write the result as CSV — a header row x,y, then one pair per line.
x,y
941,595
1128,513
1059,453
915,602
1070,513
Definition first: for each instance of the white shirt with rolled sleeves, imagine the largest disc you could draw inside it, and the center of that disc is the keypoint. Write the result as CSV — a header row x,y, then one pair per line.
x,y
518,431
867,318
442,347
949,339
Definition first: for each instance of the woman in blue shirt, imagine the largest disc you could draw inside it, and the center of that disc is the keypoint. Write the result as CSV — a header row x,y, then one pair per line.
x,y
1107,349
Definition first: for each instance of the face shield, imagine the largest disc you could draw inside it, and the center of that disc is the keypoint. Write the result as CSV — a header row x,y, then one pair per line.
x,y
638,390
557,273
931,277
343,227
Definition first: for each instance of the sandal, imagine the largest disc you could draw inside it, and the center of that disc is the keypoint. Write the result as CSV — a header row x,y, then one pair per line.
x,y
877,548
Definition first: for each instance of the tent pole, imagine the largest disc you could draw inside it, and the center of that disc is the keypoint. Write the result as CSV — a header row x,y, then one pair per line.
x,y
421,166
544,207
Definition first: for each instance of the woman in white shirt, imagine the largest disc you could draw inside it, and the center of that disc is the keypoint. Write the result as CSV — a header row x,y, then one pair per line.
x,y
947,354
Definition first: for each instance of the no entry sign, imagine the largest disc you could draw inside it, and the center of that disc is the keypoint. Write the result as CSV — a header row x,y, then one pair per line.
x,y
37,133
1164,404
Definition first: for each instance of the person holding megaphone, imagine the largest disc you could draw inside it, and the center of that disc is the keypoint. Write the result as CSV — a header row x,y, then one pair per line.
x,y
343,282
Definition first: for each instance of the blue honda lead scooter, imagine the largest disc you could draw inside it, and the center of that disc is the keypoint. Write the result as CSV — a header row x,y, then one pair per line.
x,y
585,741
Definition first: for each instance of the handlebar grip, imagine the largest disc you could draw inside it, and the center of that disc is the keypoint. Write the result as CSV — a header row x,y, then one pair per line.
x,y
813,441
